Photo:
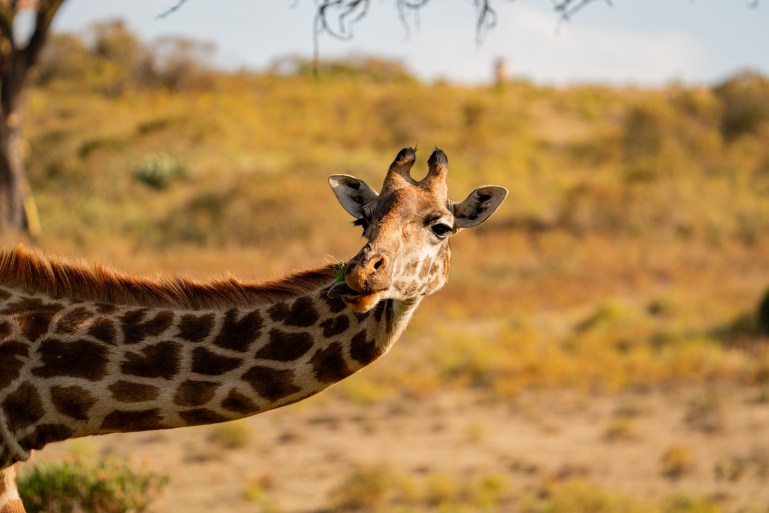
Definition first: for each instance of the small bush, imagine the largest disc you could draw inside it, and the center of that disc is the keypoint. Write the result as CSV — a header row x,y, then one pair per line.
x,y
230,435
731,469
705,413
579,496
159,171
746,107
381,488
104,487
677,461
620,429
367,488
257,493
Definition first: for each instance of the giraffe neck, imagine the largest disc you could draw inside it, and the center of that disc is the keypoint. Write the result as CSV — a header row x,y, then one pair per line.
x,y
70,369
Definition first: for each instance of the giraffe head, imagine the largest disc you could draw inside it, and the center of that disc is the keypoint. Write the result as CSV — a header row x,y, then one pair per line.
x,y
407,226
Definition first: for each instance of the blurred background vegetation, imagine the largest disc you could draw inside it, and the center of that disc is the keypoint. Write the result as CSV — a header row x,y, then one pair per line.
x,y
631,253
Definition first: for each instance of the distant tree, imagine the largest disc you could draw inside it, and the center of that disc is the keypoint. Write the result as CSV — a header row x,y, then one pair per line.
x,y
18,55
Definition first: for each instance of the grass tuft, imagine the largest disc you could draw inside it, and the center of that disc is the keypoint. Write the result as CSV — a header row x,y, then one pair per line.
x,y
677,461
104,487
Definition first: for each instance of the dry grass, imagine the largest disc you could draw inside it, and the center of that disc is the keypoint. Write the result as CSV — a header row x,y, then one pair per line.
x,y
606,268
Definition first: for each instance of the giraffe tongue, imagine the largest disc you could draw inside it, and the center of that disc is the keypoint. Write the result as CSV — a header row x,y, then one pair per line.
x,y
342,289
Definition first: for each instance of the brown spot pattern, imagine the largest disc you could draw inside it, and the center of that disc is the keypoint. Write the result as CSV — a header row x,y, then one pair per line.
x,y
195,393
379,310
211,364
363,350
160,360
104,330
284,346
12,355
278,312
427,263
335,325
200,416
79,359
136,329
141,420
73,320
45,433
301,313
5,330
335,304
32,316
237,402
272,384
128,392
72,401
23,407
196,327
239,333
105,308
329,365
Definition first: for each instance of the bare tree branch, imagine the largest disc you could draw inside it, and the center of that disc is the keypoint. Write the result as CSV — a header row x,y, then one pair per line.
x,y
46,11
486,19
568,8
172,10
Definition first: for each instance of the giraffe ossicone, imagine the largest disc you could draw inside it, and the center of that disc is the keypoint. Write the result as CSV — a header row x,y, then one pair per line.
x,y
87,351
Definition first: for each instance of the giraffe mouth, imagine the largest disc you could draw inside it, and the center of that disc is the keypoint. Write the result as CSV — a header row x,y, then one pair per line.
x,y
341,289
358,301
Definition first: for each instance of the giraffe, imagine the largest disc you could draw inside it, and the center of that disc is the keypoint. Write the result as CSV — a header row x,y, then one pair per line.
x,y
87,351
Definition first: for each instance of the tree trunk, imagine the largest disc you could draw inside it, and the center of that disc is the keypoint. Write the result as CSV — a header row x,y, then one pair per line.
x,y
14,188
17,209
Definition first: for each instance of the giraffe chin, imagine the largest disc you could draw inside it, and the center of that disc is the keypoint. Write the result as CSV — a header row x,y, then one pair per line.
x,y
362,303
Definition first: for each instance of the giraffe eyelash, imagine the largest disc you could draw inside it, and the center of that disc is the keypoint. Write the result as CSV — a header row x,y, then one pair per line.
x,y
362,222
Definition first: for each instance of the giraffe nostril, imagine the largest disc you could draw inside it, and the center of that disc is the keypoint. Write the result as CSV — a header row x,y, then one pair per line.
x,y
379,263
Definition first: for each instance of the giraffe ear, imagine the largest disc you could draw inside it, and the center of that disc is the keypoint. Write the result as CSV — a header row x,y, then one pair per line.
x,y
352,193
478,206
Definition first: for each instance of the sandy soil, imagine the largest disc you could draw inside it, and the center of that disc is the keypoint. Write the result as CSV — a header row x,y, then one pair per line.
x,y
299,454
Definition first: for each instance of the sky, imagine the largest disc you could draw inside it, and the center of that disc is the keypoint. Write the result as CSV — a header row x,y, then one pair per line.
x,y
627,42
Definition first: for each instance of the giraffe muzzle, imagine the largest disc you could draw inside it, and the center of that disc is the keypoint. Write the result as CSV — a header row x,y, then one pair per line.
x,y
366,275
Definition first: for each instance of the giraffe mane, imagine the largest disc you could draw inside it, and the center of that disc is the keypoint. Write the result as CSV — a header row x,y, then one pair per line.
x,y
34,272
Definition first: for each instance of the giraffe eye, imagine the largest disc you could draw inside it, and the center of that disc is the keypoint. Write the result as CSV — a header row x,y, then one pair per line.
x,y
441,230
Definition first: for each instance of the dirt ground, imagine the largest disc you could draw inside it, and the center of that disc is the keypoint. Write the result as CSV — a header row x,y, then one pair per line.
x,y
618,442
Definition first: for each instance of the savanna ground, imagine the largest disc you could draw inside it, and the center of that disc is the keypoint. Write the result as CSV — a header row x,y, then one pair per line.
x,y
599,346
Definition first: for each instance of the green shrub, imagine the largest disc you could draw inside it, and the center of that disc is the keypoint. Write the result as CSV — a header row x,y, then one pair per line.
x,y
159,171
104,487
